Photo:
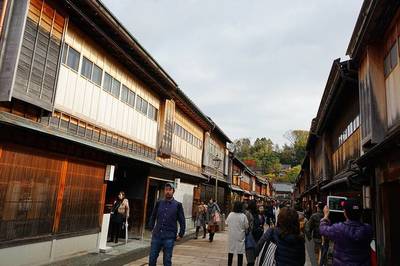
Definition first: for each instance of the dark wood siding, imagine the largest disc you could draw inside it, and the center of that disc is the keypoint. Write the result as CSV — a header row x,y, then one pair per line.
x,y
28,189
39,56
43,193
168,124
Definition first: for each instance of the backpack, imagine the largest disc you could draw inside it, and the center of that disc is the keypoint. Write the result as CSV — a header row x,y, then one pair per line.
x,y
267,254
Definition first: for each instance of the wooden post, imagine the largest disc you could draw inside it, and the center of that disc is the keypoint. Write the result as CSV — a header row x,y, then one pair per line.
x,y
146,195
60,195
102,201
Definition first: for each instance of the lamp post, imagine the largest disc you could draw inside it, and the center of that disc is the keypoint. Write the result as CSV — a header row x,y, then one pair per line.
x,y
217,162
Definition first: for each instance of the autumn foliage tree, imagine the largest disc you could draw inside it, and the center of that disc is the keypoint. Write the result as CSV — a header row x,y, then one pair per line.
x,y
270,157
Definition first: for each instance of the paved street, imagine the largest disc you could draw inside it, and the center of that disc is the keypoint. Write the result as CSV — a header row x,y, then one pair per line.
x,y
197,252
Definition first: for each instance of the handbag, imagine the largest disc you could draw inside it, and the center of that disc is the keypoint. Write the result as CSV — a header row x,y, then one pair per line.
x,y
217,217
267,255
249,241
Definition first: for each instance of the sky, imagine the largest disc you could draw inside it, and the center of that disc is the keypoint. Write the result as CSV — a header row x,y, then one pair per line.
x,y
257,68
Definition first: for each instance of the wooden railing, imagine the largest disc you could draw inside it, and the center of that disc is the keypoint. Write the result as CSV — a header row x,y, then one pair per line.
x,y
349,150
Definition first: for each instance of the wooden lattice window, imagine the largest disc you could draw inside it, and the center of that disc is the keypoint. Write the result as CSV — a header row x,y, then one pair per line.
x,y
40,52
28,189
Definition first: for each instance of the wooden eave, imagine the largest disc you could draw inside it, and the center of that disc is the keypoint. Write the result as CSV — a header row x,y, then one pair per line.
x,y
374,18
190,108
342,76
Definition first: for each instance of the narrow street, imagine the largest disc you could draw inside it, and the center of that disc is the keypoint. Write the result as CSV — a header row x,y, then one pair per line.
x,y
196,252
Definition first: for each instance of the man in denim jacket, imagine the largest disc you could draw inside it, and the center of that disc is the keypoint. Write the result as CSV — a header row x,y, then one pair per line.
x,y
163,223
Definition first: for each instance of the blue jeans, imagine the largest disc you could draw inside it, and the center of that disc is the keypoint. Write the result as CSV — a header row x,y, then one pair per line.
x,y
167,245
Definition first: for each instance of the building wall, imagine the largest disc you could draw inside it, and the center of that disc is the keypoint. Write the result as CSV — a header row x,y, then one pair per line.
x,y
81,97
214,147
187,143
184,194
48,251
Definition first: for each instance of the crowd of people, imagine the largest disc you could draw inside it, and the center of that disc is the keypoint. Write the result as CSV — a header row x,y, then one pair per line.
x,y
274,234
281,235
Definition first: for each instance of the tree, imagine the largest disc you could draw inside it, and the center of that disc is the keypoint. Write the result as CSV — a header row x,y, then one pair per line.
x,y
270,157
298,141
292,173
242,148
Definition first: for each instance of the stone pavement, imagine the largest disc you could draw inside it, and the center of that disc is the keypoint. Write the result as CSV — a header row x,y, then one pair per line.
x,y
197,252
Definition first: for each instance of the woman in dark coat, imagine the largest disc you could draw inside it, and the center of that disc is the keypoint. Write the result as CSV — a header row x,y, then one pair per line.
x,y
119,215
286,235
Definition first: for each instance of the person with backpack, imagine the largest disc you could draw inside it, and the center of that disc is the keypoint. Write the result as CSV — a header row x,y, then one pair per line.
x,y
163,223
255,231
284,244
352,238
313,236
237,226
119,215
201,216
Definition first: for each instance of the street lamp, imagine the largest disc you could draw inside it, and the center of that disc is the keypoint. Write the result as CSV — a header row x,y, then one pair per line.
x,y
217,162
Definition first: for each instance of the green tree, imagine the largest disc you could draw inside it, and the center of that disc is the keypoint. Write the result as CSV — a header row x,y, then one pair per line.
x,y
292,173
242,148
298,141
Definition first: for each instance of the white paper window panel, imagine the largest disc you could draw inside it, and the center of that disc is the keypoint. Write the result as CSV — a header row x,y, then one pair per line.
x,y
81,98
97,55
186,150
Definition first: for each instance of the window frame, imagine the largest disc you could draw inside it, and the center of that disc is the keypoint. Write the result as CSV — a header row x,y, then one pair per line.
x,y
126,89
85,61
101,75
74,51
106,76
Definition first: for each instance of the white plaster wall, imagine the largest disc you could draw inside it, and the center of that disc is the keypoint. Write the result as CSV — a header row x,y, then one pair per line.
x,y
48,251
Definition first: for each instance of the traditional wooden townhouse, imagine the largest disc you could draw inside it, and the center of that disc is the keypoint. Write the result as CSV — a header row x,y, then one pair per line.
x,y
334,142
241,181
374,48
216,167
260,190
181,153
86,112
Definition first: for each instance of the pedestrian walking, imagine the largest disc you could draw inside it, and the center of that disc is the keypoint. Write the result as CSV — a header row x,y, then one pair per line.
x,y
237,225
270,214
314,241
163,223
275,211
213,218
256,230
119,216
284,244
201,217
352,238
261,216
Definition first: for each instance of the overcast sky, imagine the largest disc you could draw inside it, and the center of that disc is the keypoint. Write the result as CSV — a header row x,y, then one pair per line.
x,y
257,68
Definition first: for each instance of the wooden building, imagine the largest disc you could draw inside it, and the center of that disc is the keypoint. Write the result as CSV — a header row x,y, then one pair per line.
x,y
374,48
353,145
216,167
241,181
334,142
86,112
